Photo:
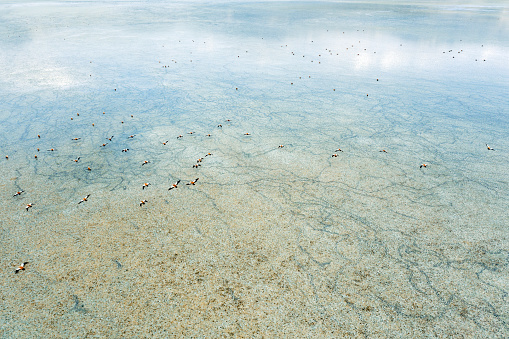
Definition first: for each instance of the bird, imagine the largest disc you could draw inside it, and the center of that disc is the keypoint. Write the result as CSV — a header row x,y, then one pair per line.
x,y
18,193
383,151
180,136
143,202
125,150
77,159
489,148
174,185
247,133
192,182
338,150
51,150
89,169
423,165
196,165
164,143
208,154
104,145
131,136
145,185
29,206
145,162
110,138
84,199
21,267
334,155
76,139
281,146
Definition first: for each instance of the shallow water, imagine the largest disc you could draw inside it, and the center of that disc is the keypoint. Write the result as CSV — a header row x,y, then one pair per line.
x,y
270,241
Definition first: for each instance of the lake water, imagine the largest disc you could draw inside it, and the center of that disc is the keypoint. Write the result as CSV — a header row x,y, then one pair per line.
x,y
302,240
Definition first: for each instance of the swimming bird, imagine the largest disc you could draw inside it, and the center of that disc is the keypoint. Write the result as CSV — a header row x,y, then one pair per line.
x,y
174,185
29,206
489,148
84,199
143,202
145,185
145,162
21,267
18,193
192,182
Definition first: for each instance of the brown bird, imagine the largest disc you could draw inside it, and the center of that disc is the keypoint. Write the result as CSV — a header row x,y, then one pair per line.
x,y
174,185
88,168
21,267
84,199
192,182
383,151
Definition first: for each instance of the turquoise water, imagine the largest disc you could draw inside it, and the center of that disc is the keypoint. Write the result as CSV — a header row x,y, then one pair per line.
x,y
270,241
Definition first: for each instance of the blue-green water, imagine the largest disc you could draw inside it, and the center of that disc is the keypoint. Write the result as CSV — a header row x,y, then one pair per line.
x,y
271,241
